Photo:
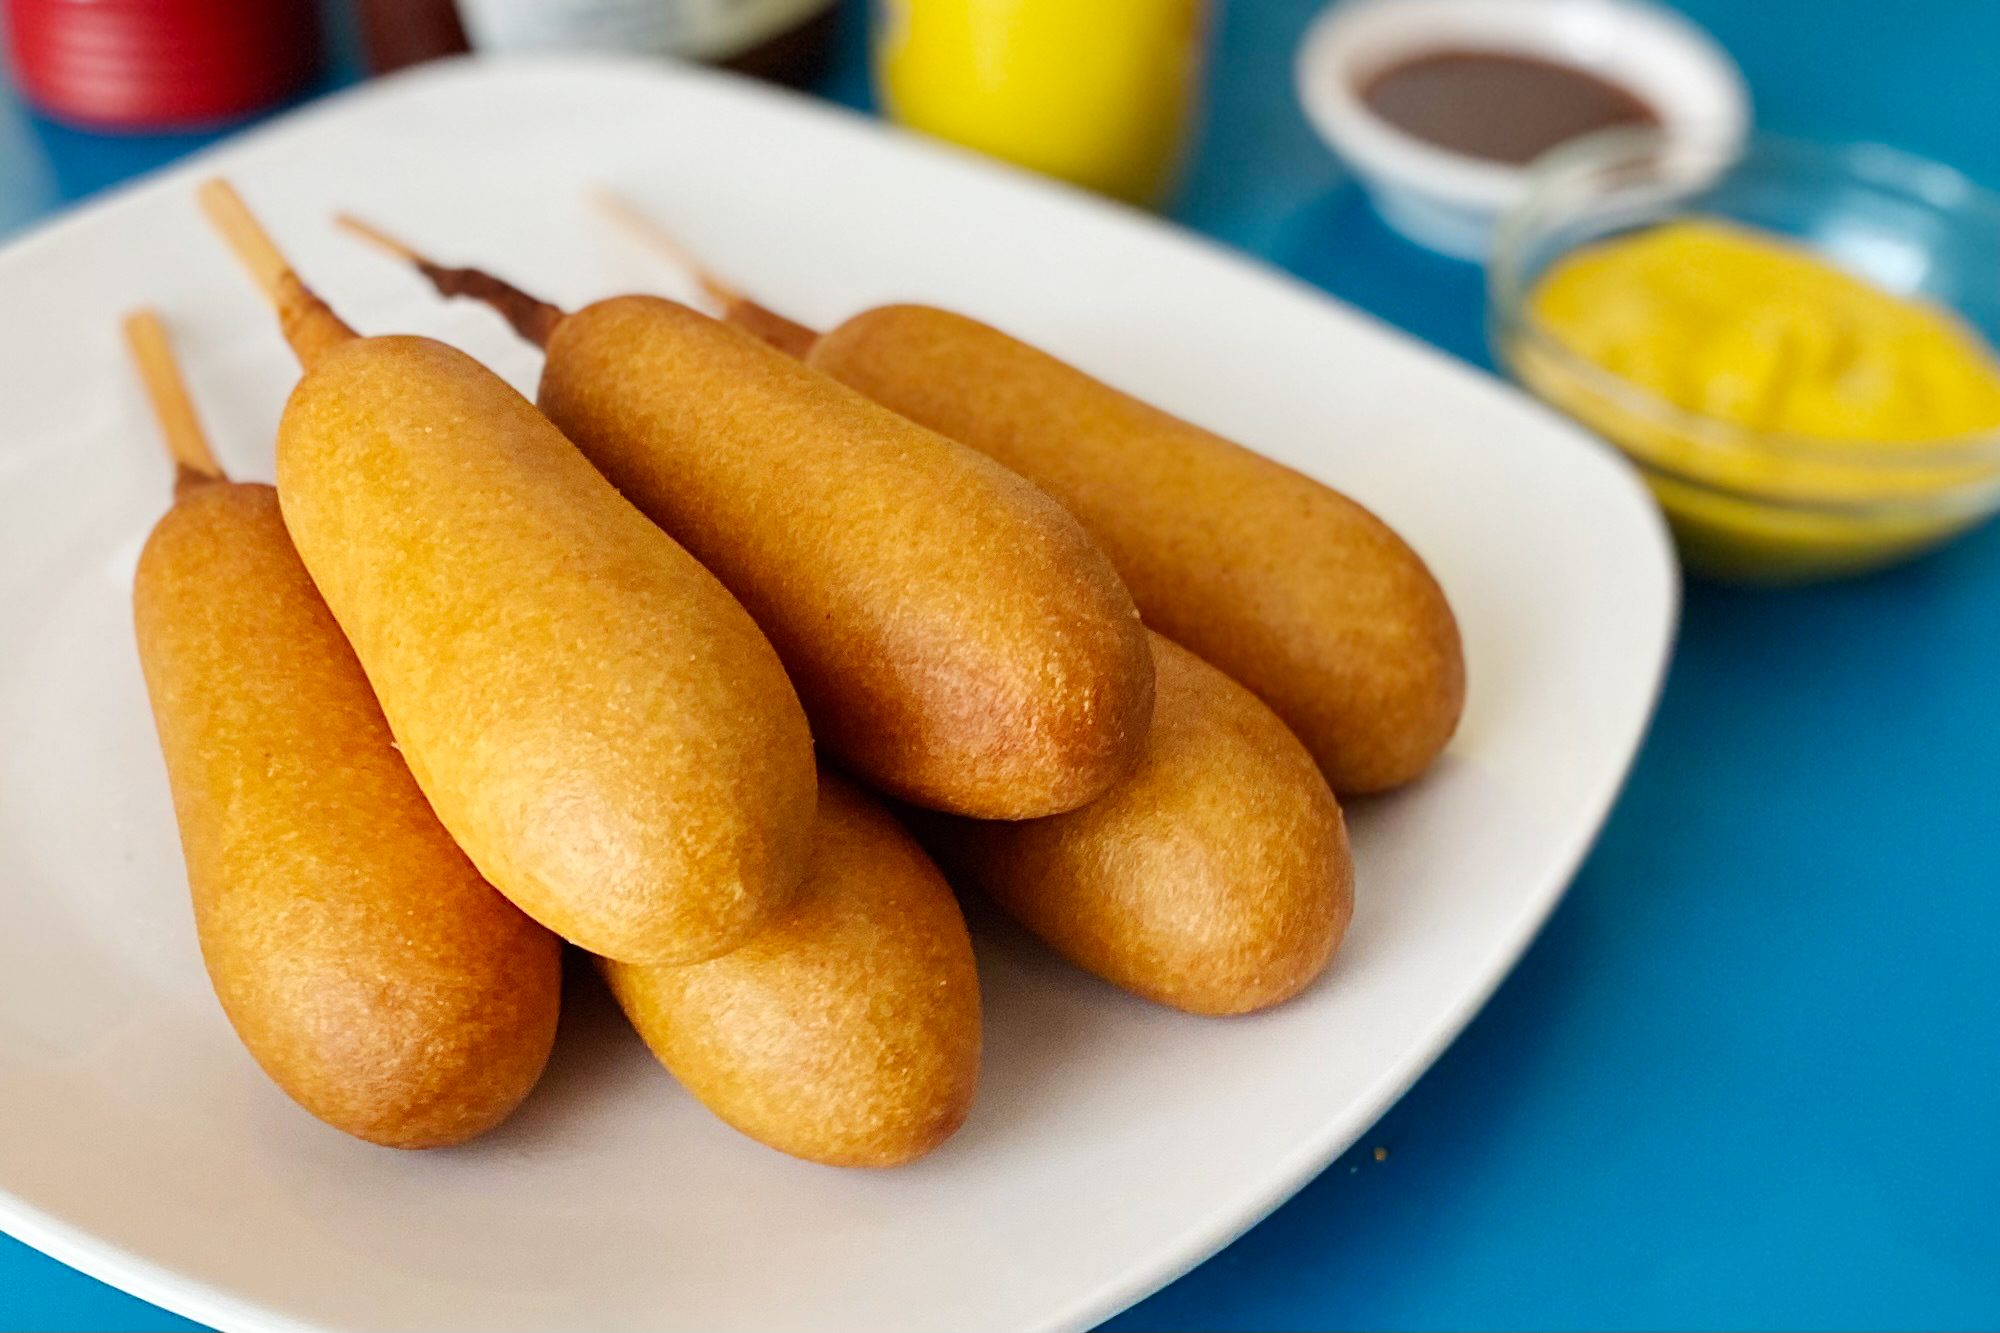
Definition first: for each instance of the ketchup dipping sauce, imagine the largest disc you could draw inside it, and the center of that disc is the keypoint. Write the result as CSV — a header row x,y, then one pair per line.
x,y
1438,108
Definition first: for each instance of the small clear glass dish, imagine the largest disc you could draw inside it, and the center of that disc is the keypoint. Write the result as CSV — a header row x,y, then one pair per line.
x,y
1745,504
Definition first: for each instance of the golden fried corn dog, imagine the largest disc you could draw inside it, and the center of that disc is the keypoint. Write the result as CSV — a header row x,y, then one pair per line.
x,y
371,972
599,724
848,1032
956,637
1286,584
1215,878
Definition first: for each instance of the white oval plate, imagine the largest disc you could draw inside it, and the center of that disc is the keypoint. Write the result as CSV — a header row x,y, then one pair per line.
x,y
1114,1144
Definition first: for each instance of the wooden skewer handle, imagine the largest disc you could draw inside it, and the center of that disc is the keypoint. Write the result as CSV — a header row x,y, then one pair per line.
x,y
173,408
787,335
309,324
532,318
658,239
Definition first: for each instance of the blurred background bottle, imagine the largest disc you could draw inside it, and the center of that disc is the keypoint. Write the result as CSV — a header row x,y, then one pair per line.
x,y
780,39
1099,92
160,64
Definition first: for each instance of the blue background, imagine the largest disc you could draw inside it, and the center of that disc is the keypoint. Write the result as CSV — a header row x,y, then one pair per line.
x,y
1750,1073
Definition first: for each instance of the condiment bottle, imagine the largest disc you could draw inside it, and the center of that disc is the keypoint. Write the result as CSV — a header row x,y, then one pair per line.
x,y
780,39
160,64
1099,92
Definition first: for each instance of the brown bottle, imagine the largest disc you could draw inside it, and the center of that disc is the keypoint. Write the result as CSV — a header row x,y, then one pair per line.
x,y
786,40
407,32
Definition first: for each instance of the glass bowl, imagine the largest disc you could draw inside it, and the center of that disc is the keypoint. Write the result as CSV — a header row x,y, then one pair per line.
x,y
1745,504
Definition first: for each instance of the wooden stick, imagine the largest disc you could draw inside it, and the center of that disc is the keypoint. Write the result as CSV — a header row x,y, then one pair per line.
x,y
788,336
153,357
378,238
532,318
652,236
309,324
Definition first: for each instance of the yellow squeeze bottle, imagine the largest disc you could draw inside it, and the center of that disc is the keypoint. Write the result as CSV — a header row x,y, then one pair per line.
x,y
1098,92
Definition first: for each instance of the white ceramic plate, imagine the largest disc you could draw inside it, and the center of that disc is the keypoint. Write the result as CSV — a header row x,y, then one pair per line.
x,y
1114,1144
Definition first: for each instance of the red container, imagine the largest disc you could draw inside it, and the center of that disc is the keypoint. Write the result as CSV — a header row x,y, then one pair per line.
x,y
160,64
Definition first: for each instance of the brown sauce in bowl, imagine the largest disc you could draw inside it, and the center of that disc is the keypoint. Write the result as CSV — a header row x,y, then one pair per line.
x,y
1497,105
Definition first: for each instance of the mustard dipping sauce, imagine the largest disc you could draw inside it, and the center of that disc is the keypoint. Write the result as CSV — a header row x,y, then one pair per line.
x,y
1794,420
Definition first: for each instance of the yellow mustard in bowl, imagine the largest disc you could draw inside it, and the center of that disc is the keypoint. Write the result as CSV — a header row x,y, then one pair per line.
x,y
1794,419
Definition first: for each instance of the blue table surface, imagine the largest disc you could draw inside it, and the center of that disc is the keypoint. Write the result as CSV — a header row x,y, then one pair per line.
x,y
1749,1076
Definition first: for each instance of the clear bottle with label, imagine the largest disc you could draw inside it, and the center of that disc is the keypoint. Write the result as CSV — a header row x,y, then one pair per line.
x,y
781,39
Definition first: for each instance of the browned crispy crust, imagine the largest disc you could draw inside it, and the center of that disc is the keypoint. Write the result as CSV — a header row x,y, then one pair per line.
x,y
595,719
848,1032
1216,878
1285,584
956,637
372,973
